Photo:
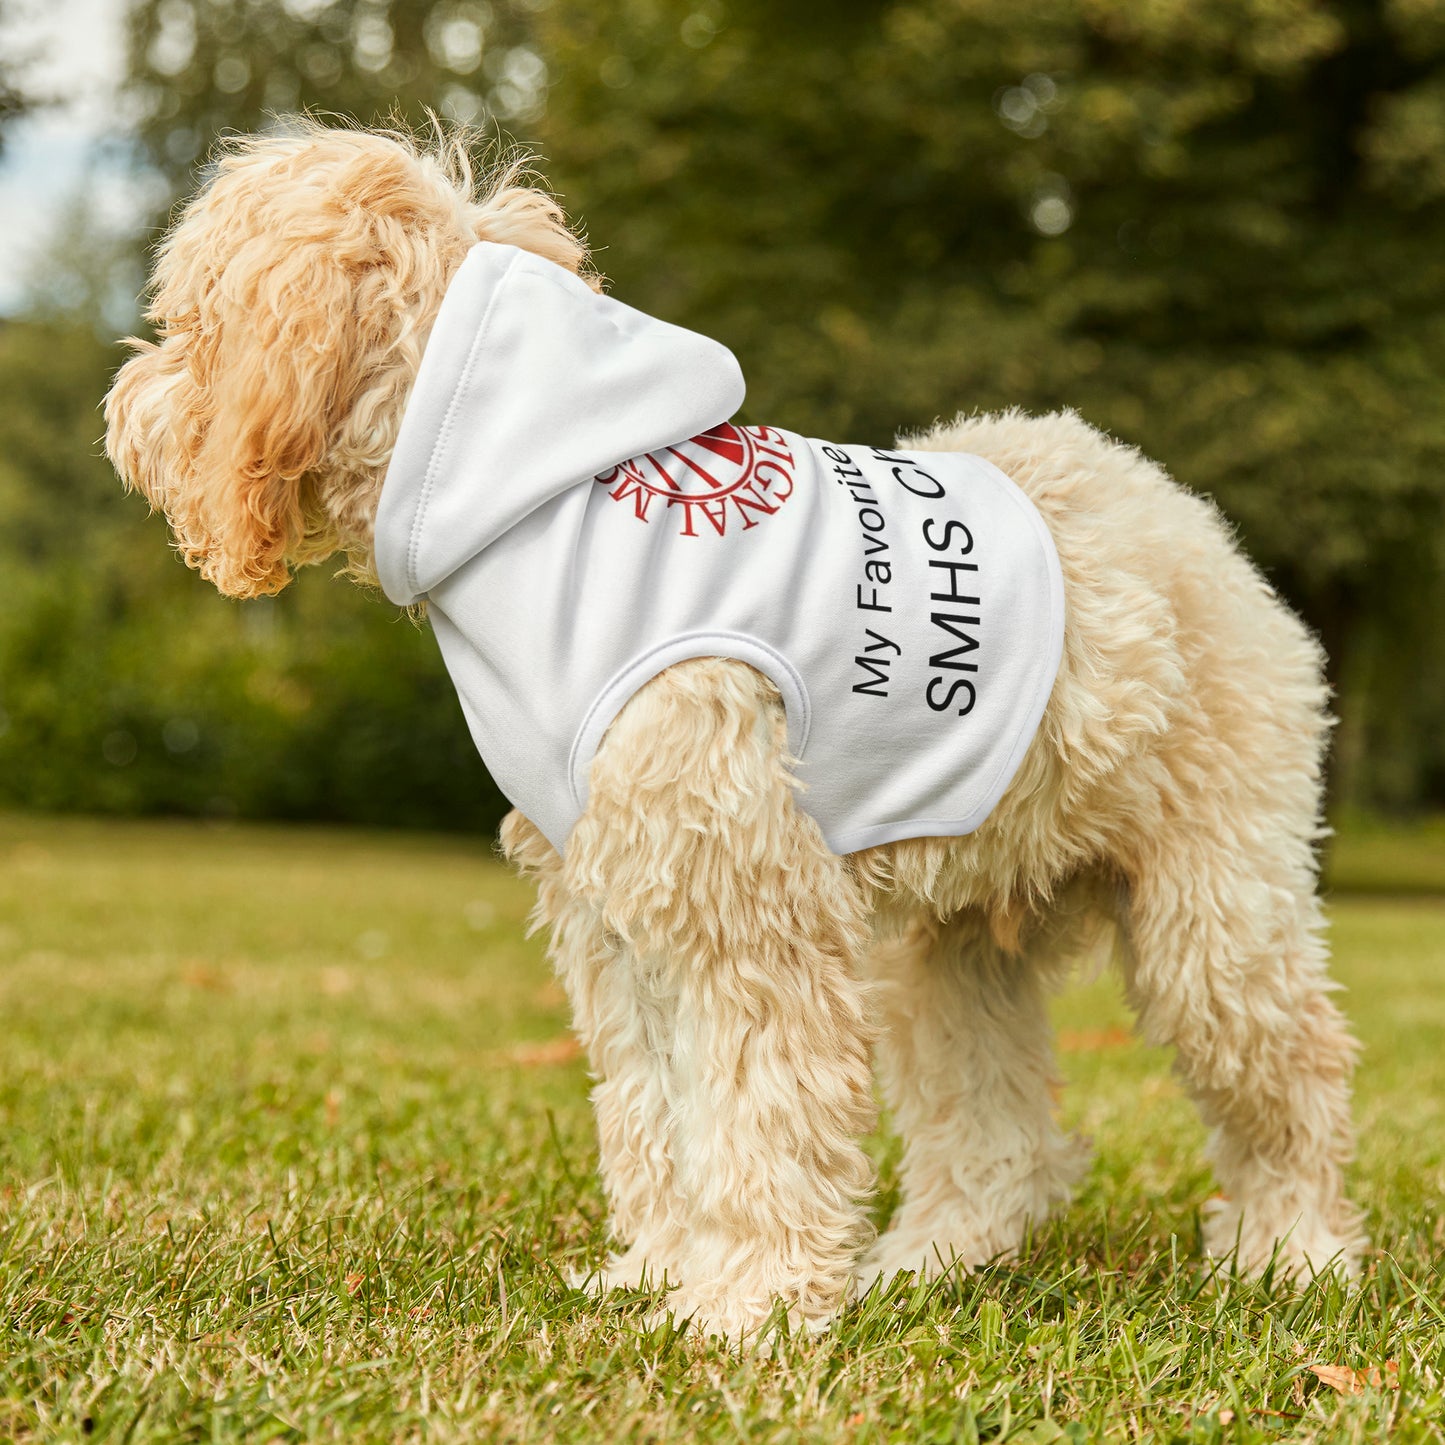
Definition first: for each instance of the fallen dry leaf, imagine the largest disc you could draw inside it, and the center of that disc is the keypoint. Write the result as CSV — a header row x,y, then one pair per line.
x,y
1355,1382
196,974
1085,1041
552,1051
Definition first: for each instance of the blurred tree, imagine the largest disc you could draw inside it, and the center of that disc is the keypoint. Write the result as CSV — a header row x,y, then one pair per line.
x,y
202,67
14,100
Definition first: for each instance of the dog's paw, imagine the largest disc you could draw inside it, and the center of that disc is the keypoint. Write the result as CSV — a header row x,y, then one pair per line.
x,y
1297,1245
959,1246
752,1324
964,1229
892,1257
635,1270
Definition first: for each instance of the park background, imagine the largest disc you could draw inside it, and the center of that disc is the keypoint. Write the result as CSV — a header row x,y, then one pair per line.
x,y
1216,228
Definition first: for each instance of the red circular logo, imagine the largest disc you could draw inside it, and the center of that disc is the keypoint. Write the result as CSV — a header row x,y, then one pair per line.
x,y
731,476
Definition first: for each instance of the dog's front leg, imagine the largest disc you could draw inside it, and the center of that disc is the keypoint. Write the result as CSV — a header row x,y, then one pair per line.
x,y
624,1023
743,931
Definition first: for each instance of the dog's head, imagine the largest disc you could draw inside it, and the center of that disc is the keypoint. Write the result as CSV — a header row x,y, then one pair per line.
x,y
291,301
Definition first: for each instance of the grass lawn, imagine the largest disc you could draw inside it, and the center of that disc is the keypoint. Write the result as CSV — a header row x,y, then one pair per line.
x,y
293,1146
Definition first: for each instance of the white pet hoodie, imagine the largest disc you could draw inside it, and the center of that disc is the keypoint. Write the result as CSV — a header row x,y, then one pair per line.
x,y
569,495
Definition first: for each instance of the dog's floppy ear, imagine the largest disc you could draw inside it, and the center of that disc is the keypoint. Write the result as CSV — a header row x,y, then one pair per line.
x,y
221,423
282,290
275,359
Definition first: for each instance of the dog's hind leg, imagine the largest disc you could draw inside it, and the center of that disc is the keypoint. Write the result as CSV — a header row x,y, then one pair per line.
x,y
1227,964
700,862
966,1062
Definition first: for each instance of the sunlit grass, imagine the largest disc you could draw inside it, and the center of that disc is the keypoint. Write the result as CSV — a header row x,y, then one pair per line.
x,y
290,1147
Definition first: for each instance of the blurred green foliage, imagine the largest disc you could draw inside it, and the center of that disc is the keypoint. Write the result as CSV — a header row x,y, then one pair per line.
x,y
127,685
1215,227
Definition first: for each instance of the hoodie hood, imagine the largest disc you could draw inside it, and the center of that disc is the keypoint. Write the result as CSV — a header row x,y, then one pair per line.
x,y
530,384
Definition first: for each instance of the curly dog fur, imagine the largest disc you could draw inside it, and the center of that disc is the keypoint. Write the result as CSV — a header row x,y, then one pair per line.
x,y
731,979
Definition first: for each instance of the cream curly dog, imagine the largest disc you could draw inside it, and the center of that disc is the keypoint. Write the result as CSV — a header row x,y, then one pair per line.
x,y
731,975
